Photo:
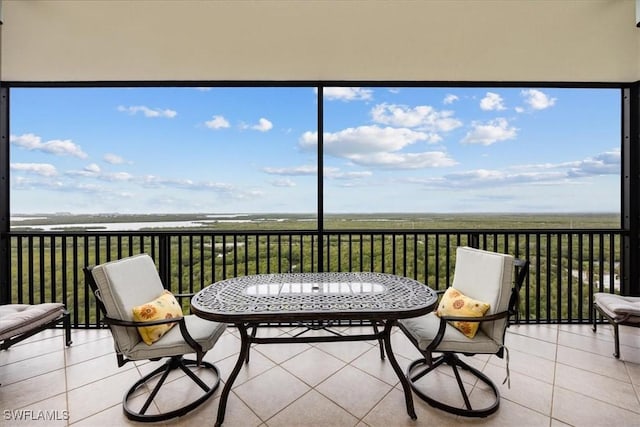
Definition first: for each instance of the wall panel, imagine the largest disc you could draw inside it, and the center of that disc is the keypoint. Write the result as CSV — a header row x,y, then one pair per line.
x,y
437,40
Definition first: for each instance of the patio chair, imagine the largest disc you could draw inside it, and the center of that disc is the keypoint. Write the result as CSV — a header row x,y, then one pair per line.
x,y
618,310
141,315
471,318
21,321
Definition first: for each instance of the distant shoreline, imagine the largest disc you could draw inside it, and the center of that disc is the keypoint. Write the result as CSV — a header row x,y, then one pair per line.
x,y
243,221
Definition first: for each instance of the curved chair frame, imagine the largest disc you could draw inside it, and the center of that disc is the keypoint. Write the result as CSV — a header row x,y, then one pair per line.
x,y
163,371
422,366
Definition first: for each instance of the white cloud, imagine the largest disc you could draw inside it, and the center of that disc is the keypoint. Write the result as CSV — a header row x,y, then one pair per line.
x,y
537,100
376,146
429,159
346,93
422,117
152,181
365,139
94,171
310,170
483,177
607,163
263,125
117,176
490,132
42,169
450,98
217,122
92,168
492,102
148,112
22,183
487,178
27,141
83,173
63,148
283,183
85,188
292,171
335,173
57,147
221,189
113,159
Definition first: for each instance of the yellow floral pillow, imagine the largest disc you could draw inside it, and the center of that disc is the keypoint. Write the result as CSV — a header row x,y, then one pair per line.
x,y
163,307
454,303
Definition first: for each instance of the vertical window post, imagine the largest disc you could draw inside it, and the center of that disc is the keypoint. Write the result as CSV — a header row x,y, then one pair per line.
x,y
320,173
5,211
631,190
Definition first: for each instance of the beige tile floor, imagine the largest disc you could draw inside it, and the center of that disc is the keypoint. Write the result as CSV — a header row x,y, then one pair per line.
x,y
560,375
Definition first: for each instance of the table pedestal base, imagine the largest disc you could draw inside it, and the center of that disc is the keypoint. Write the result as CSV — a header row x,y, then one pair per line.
x,y
247,339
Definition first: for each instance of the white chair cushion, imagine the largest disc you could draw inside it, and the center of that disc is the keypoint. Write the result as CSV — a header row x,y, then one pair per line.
x,y
124,284
619,307
488,277
16,319
424,329
204,332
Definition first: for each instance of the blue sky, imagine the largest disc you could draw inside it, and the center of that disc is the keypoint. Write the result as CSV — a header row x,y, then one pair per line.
x,y
253,150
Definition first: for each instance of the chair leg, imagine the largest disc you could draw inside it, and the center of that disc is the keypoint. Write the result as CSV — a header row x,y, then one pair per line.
x,y
616,338
66,321
614,325
380,340
164,370
454,362
254,332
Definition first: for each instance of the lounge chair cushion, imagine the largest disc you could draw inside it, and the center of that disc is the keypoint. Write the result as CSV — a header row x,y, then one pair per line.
x,y
16,319
619,307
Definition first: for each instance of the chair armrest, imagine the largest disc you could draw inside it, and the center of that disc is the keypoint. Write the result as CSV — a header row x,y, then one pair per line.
x,y
187,295
488,318
133,323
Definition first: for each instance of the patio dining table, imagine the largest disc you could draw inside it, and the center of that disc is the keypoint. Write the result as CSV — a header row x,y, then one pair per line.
x,y
308,298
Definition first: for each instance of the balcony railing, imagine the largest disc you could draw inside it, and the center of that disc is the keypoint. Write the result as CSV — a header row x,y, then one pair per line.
x,y
567,266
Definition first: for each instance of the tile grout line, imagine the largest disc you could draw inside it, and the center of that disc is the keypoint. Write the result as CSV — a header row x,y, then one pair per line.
x,y
66,385
553,388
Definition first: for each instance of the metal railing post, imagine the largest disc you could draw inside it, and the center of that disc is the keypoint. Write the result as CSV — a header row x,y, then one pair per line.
x,y
164,260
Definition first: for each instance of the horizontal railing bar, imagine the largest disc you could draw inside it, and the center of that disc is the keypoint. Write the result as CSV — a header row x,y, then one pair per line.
x,y
456,231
